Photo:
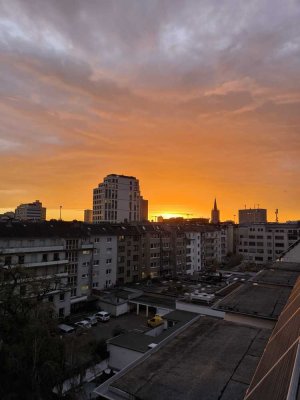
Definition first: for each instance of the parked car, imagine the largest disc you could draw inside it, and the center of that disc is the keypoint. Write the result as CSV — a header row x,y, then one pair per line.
x,y
65,329
155,321
83,324
92,319
102,316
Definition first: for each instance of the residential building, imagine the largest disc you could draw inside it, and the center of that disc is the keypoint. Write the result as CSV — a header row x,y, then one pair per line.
x,y
128,252
252,216
264,242
31,212
195,250
57,252
43,257
104,264
118,199
156,248
88,216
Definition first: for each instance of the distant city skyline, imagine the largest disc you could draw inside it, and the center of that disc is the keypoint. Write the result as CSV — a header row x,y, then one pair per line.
x,y
196,98
69,214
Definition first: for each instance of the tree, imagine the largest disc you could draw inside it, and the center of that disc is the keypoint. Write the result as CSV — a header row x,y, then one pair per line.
x,y
32,360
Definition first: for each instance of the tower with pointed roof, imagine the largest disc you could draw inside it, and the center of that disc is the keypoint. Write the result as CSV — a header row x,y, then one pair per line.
x,y
215,214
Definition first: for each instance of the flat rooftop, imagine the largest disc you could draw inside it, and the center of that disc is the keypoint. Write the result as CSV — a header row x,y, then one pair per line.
x,y
211,359
155,301
279,277
138,341
256,300
286,266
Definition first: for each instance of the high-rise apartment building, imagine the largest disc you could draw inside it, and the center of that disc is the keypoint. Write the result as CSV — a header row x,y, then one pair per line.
x,y
118,199
31,212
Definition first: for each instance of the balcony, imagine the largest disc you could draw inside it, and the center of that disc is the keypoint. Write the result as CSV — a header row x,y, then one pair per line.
x,y
33,249
45,264
88,246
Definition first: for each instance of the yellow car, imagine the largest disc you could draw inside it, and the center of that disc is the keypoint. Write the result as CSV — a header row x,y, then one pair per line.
x,y
155,321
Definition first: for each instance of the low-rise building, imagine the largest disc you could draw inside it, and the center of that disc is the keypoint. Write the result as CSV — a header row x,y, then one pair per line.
x,y
31,212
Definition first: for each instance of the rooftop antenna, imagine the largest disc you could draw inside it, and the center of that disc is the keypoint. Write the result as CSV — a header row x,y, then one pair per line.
x,y
60,207
276,214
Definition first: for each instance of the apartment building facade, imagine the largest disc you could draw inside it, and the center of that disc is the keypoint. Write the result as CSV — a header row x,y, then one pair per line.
x,y
105,253
76,258
44,262
59,253
118,199
264,243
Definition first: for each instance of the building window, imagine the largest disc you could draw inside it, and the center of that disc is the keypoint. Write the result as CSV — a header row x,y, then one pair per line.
x,y
108,239
45,257
56,257
21,259
108,261
7,260
61,312
61,297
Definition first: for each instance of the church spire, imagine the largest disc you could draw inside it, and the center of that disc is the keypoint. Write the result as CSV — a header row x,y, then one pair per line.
x,y
215,205
215,214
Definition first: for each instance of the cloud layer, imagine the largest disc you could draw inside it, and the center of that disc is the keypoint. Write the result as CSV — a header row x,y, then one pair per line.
x,y
196,98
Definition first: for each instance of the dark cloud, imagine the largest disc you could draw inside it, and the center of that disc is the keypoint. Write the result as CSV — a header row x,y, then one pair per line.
x,y
124,81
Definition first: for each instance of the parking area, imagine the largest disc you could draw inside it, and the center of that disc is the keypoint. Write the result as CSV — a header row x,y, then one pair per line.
x,y
128,322
81,347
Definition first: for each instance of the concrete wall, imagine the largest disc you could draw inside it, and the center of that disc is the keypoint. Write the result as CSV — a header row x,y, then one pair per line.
x,y
114,310
199,309
120,357
156,331
251,321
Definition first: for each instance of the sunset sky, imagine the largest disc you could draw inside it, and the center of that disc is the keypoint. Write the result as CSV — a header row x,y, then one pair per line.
x,y
196,99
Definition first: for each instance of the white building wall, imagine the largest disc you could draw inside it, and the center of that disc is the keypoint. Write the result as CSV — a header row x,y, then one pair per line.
x,y
199,309
120,357
263,243
104,270
117,199
195,251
